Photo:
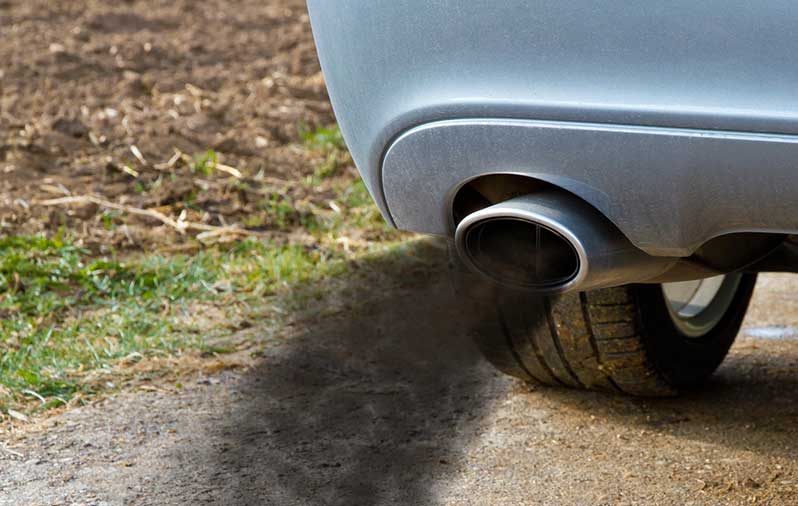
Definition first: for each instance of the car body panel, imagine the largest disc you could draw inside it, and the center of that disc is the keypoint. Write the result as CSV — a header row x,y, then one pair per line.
x,y
708,66
634,175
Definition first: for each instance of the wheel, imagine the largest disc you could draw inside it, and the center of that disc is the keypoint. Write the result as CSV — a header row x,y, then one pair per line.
x,y
645,340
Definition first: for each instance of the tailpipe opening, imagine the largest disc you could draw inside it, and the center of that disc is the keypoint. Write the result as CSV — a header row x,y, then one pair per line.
x,y
552,242
521,252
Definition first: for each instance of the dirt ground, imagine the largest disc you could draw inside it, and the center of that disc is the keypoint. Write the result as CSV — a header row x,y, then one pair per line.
x,y
396,407
392,405
97,97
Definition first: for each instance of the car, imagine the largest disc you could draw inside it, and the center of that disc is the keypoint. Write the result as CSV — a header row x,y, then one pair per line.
x,y
611,176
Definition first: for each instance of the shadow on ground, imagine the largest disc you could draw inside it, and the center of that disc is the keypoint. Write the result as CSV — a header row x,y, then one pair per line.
x,y
367,407
390,403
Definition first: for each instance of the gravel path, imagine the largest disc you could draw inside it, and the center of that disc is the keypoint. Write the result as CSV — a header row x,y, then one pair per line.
x,y
395,407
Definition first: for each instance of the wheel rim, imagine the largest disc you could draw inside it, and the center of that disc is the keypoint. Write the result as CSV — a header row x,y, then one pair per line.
x,y
696,307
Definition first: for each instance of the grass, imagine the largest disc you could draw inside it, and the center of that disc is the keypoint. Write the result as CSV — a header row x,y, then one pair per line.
x,y
69,316
66,312
205,163
322,138
330,143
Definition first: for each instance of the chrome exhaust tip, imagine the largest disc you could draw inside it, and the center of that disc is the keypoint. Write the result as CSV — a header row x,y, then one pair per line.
x,y
521,252
551,242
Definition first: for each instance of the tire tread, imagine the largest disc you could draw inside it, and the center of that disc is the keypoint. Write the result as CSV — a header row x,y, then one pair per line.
x,y
595,340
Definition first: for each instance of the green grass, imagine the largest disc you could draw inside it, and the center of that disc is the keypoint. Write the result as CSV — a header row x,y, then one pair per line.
x,y
329,142
66,312
69,316
205,163
322,138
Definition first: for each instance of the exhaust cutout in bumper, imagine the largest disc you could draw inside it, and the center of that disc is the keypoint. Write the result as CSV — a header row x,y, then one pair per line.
x,y
552,242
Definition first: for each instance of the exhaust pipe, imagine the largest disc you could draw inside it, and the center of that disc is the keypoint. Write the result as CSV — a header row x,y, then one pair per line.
x,y
552,242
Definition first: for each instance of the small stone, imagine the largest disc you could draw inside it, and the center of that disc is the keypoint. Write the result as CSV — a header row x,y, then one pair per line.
x,y
750,483
71,127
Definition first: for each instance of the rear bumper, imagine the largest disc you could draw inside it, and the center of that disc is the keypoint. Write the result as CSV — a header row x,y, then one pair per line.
x,y
667,190
585,79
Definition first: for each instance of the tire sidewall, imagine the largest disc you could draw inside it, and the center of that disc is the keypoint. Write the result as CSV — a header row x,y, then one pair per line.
x,y
687,361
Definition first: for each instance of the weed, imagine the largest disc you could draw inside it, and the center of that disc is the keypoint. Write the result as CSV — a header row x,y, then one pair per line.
x,y
330,142
322,138
328,168
109,218
205,163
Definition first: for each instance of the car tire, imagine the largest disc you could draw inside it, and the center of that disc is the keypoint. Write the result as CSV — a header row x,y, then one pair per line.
x,y
622,339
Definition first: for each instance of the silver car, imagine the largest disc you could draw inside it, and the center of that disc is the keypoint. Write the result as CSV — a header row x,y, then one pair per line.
x,y
611,174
